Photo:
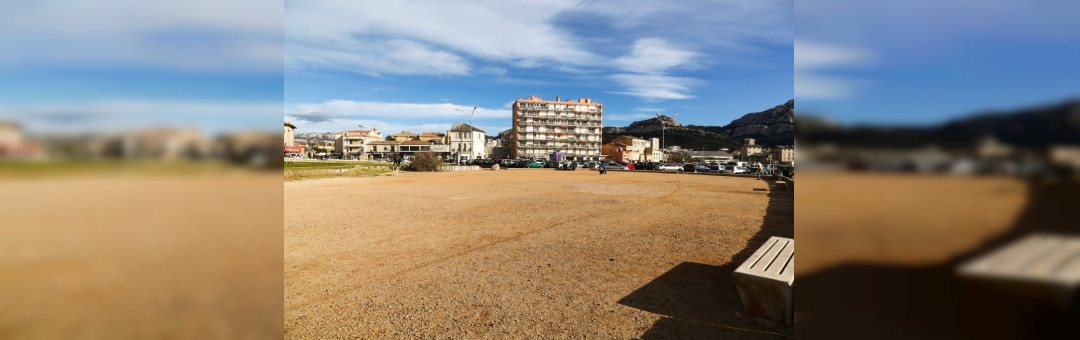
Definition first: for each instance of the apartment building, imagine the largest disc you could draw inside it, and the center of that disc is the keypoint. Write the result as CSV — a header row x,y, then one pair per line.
x,y
351,143
543,127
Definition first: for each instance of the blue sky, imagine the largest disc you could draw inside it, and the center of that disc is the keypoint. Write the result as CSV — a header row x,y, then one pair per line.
x,y
902,62
73,66
398,65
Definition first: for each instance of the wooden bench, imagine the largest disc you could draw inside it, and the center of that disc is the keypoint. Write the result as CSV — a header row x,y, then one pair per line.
x,y
765,281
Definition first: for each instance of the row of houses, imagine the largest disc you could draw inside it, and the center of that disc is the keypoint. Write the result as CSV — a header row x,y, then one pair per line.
x,y
460,143
542,130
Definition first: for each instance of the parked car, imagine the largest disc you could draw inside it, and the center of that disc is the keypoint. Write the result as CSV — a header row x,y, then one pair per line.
x,y
736,170
714,167
669,167
532,164
689,167
616,166
701,168
484,163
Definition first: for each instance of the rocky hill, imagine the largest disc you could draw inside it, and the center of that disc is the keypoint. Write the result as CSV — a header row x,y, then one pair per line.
x,y
775,126
1036,127
687,137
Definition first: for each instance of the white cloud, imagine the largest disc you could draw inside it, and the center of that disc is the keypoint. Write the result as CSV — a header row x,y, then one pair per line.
x,y
655,87
508,32
376,57
196,35
649,109
127,114
816,55
650,58
813,64
653,55
627,116
349,108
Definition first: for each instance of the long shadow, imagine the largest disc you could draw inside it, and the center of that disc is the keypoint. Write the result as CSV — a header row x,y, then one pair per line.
x,y
699,301
860,301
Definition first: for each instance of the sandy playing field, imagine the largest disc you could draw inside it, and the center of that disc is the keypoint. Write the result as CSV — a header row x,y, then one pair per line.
x,y
139,256
879,253
524,253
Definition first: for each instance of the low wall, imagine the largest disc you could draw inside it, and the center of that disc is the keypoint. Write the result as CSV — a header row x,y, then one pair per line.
x,y
459,167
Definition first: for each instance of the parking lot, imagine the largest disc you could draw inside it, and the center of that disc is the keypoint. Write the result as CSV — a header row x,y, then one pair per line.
x,y
535,253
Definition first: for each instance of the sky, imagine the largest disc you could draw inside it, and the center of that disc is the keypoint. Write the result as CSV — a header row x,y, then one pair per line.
x,y
918,63
80,66
412,65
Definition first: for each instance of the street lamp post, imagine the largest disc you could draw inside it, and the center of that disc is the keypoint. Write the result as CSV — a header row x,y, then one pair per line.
x,y
663,128
470,115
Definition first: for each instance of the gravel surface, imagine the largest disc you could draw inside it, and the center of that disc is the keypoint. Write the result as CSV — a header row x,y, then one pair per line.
x,y
525,253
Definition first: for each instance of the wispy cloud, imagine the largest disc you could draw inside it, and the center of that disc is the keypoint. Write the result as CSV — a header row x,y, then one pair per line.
x,y
815,67
627,116
126,114
649,59
654,55
488,31
376,57
404,111
656,87
171,35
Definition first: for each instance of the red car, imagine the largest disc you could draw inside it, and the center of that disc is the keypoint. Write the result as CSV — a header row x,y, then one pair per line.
x,y
689,167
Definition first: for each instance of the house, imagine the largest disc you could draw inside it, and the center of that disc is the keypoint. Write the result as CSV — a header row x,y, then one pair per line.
x,y
618,152
290,134
382,149
466,142
403,136
433,137
637,146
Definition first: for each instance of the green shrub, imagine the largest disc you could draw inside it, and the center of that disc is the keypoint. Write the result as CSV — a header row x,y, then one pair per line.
x,y
425,161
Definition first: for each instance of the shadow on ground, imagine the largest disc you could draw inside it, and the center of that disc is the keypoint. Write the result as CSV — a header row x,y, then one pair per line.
x,y
861,301
699,301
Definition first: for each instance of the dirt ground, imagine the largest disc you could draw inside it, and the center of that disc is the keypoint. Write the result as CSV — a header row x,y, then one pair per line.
x,y
141,257
525,253
885,248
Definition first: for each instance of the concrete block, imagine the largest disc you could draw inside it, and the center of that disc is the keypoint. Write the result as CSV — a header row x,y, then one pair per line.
x,y
1045,266
765,281
1025,289
781,185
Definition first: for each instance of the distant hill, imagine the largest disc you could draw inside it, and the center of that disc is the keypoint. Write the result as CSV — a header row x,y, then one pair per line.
x,y
675,134
775,126
1033,128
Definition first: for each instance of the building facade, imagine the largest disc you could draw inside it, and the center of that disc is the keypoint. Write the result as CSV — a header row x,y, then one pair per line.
x,y
638,146
290,134
350,144
403,136
783,155
466,142
752,153
542,127
382,149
